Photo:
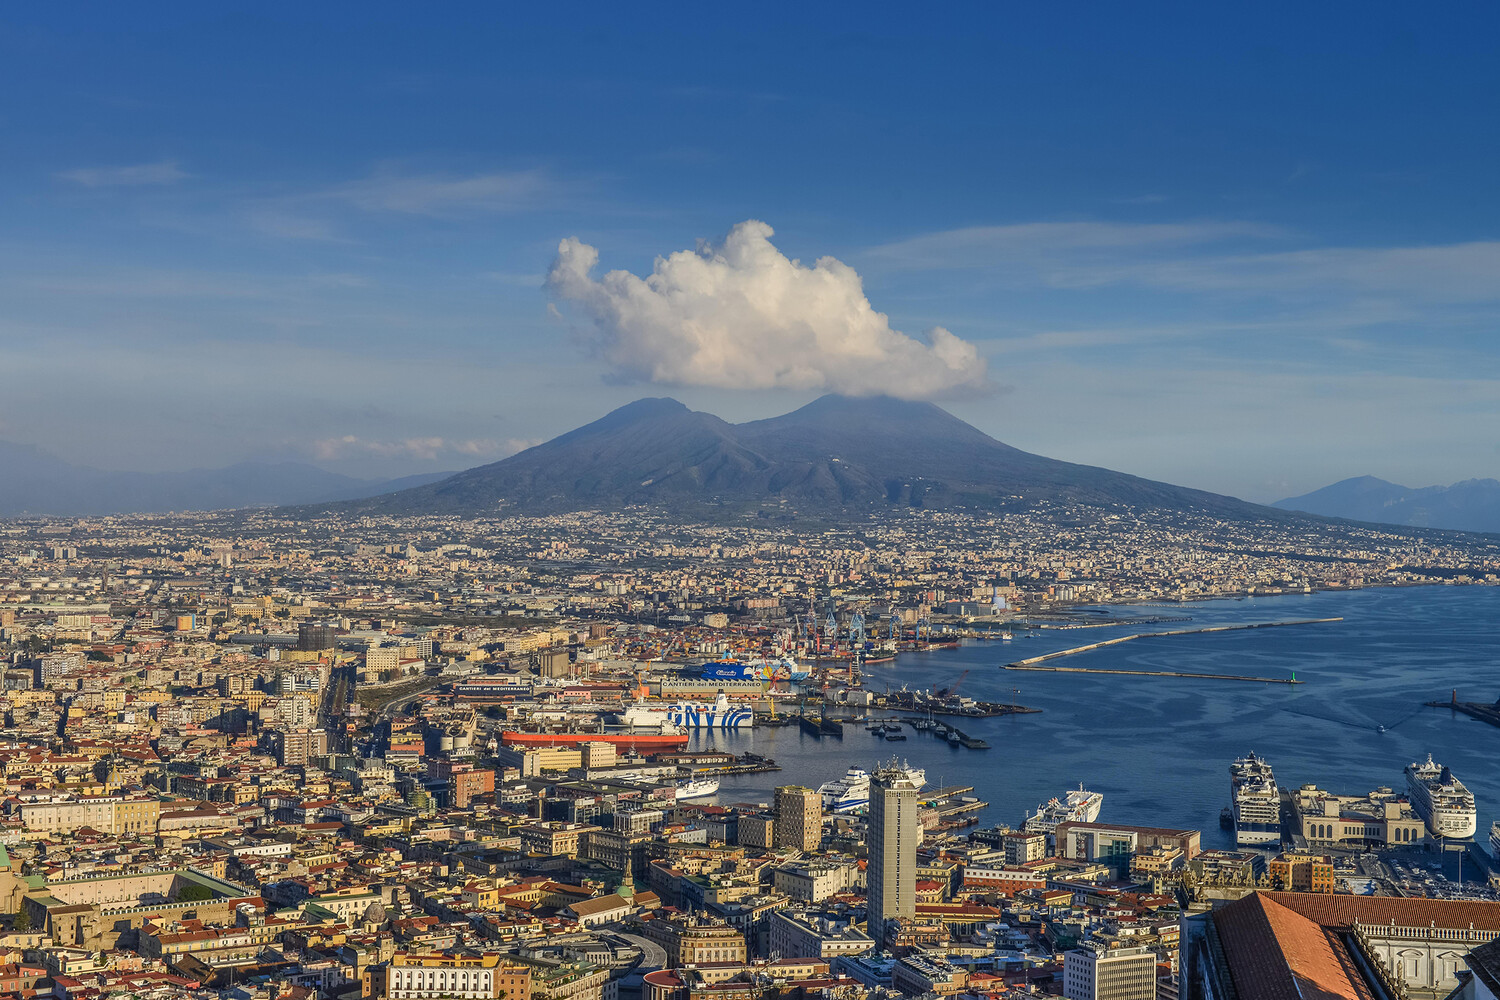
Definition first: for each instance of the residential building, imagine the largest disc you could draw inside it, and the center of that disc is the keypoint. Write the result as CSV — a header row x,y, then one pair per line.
x,y
799,818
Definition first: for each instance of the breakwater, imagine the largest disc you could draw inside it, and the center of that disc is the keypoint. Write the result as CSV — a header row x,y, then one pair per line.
x,y
1473,709
1033,662
1156,673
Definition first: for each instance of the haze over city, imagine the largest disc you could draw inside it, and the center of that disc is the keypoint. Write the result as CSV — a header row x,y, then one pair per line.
x,y
761,502
1248,252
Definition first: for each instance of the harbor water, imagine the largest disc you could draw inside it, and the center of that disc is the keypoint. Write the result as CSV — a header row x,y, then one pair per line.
x,y
1159,748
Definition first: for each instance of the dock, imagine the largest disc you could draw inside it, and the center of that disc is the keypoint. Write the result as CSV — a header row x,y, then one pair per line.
x,y
821,726
1154,673
942,730
1473,709
1031,662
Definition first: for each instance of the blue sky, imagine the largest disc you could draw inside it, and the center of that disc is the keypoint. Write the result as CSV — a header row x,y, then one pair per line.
x,y
1250,250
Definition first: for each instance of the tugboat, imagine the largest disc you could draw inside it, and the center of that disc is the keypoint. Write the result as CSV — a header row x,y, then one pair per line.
x,y
1226,818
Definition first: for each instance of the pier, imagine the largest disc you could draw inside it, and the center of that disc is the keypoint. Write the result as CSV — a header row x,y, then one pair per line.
x,y
1473,709
1154,673
1031,663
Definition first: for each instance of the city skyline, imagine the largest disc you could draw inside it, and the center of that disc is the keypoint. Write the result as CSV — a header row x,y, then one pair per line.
x,y
1173,244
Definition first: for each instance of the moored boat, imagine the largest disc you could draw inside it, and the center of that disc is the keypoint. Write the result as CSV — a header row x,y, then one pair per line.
x,y
1443,801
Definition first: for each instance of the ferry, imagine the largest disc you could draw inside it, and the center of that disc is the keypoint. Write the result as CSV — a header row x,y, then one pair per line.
x,y
1441,799
847,793
782,668
697,788
1080,806
643,717
852,791
1256,801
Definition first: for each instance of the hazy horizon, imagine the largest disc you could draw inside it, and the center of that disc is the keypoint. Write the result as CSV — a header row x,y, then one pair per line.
x,y
1190,245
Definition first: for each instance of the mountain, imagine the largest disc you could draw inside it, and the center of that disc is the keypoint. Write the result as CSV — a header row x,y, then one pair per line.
x,y
36,483
1472,505
834,457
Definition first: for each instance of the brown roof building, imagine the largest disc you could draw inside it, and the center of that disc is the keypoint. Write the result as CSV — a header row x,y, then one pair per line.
x,y
1288,945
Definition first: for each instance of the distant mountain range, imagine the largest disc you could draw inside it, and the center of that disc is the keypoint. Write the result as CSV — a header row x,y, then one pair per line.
x,y
33,482
835,457
1472,505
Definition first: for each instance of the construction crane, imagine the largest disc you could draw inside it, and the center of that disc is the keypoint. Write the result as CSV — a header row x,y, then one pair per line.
x,y
951,689
895,625
857,628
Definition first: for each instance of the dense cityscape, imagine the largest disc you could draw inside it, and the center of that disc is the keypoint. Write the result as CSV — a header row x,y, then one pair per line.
x,y
749,502
251,753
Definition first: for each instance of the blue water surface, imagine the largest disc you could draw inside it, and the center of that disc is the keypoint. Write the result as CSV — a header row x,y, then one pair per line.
x,y
1159,748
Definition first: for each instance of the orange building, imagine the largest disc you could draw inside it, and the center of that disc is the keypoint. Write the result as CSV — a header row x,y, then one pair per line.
x,y
1301,872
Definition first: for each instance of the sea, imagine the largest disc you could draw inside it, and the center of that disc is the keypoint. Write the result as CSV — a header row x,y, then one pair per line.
x,y
1159,748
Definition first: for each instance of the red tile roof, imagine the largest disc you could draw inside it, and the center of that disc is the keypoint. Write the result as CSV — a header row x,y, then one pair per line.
x,y
1276,953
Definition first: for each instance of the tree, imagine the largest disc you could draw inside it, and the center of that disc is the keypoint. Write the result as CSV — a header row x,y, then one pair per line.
x,y
23,918
194,893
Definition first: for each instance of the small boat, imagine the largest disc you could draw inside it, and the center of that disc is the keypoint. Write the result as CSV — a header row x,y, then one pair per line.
x,y
892,727
894,736
1226,818
954,738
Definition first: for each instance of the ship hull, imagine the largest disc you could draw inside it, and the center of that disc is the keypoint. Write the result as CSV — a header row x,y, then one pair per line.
x,y
633,741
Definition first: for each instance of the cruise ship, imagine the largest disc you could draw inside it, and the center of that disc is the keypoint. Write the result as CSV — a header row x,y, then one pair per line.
x,y
1441,800
852,791
1256,801
1080,806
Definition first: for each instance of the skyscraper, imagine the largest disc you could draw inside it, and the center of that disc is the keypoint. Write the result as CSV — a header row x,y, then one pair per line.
x,y
893,836
799,818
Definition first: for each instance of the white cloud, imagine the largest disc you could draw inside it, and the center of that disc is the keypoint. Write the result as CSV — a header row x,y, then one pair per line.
x,y
983,246
424,449
741,315
162,172
438,195
1455,272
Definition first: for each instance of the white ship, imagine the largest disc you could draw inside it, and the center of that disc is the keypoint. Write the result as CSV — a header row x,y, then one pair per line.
x,y
1256,801
1441,800
1080,806
681,716
697,788
642,717
847,793
852,791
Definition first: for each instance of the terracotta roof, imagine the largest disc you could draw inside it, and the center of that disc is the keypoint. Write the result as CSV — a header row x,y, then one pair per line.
x,y
1276,953
1341,911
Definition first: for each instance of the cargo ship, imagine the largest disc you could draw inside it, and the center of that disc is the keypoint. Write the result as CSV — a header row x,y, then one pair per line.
x,y
646,742
1441,800
1256,801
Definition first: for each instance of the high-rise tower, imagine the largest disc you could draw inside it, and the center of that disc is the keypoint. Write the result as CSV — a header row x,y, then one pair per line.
x,y
893,836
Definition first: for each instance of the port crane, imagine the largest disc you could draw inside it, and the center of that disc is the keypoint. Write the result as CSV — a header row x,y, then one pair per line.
x,y
952,689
